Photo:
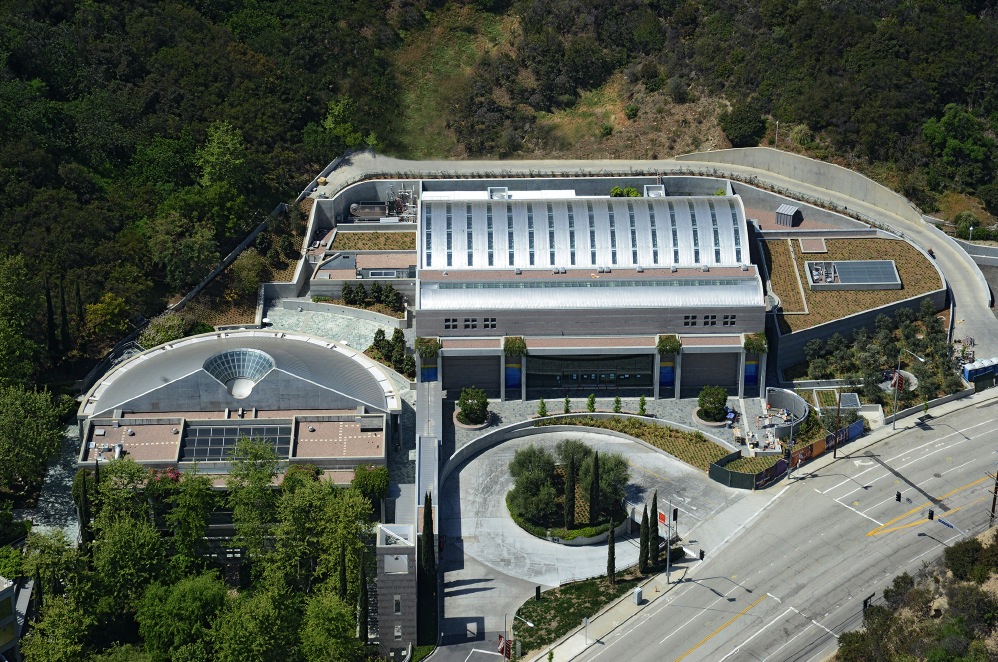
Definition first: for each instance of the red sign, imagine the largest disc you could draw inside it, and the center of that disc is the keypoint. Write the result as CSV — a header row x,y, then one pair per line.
x,y
661,518
505,647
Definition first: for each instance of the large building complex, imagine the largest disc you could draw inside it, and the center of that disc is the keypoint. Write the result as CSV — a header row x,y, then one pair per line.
x,y
589,283
190,401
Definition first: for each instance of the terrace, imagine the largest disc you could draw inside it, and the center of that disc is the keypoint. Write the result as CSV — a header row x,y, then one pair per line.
x,y
802,308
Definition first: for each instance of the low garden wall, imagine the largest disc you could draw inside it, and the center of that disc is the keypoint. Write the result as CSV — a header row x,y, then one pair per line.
x,y
527,428
796,405
918,409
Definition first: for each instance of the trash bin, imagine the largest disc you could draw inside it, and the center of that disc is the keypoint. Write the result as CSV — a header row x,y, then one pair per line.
x,y
637,595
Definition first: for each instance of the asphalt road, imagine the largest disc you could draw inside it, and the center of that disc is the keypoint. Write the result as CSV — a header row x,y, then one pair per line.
x,y
797,577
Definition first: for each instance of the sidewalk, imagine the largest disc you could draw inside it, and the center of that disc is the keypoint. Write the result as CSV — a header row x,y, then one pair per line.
x,y
623,609
612,616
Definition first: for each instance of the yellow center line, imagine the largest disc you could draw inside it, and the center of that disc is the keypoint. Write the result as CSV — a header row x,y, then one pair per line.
x,y
922,521
886,526
709,636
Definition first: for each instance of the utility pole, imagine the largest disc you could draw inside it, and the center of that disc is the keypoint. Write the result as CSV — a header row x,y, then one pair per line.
x,y
994,501
838,411
668,540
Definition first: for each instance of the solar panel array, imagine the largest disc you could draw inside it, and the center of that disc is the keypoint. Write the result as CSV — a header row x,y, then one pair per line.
x,y
867,271
216,443
849,400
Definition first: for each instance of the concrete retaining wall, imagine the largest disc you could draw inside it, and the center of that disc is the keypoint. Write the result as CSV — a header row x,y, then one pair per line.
x,y
526,429
918,409
815,173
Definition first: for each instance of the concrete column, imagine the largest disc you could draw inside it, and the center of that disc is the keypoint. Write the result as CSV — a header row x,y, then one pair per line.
x,y
440,369
762,376
657,376
741,373
523,378
679,372
502,378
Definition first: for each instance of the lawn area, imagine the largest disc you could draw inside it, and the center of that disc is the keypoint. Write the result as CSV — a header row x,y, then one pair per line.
x,y
693,448
752,465
562,609
374,241
918,276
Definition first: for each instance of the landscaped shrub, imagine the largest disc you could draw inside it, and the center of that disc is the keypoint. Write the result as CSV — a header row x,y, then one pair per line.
x,y
428,348
568,406
641,406
744,125
591,403
961,557
669,344
711,402
514,346
755,343
614,475
542,408
616,405
474,406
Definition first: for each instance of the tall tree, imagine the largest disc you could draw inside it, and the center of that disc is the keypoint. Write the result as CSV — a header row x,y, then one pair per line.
x,y
19,351
259,625
594,492
65,339
611,557
570,494
222,159
643,544
328,630
343,572
60,634
81,497
50,331
252,498
653,540
30,434
173,616
191,505
129,554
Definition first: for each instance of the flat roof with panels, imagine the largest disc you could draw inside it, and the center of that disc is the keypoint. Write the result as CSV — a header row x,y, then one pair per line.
x,y
853,275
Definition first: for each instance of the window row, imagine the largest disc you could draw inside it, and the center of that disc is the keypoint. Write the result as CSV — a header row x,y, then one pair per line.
x,y
451,323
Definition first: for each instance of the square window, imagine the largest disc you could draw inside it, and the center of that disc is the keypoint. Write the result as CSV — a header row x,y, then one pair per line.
x,y
398,633
398,604
450,323
710,320
489,323
728,320
471,323
689,320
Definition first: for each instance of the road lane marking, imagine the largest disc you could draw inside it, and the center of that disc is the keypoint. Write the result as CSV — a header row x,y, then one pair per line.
x,y
789,641
911,450
759,631
729,622
959,467
882,529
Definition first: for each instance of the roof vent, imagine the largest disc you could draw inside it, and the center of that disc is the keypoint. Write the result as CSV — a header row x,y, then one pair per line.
x,y
517,271
599,270
130,432
641,269
175,431
555,270
445,273
672,268
311,428
744,267
706,268
562,270
606,270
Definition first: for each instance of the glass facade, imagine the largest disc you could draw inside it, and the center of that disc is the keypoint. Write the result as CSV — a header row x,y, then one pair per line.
x,y
590,374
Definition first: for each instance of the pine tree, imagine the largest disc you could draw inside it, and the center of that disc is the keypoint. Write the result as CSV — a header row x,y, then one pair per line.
x,y
611,559
643,545
343,571
653,541
568,406
570,494
364,606
616,405
594,505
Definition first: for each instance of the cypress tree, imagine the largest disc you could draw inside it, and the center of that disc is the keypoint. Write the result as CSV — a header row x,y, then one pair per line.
x,y
570,494
79,307
65,340
611,559
364,606
343,571
653,539
594,504
50,320
643,544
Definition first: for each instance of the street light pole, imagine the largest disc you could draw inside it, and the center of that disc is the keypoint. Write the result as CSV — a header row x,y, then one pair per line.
x,y
507,630
897,375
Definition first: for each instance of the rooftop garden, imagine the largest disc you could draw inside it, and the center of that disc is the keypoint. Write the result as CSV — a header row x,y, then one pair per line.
x,y
918,276
866,360
374,241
